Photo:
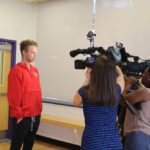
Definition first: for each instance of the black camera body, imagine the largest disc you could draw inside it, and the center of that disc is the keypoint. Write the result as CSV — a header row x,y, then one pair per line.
x,y
82,64
134,68
111,53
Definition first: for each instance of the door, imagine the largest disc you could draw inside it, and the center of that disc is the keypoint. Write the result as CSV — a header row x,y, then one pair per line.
x,y
5,65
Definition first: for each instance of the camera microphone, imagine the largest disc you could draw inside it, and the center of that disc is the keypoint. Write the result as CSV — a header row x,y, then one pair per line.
x,y
74,53
90,50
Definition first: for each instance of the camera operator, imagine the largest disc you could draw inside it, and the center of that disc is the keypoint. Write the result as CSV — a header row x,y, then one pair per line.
x,y
100,96
137,127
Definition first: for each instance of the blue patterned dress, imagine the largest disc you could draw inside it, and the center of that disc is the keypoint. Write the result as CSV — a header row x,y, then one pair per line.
x,y
101,132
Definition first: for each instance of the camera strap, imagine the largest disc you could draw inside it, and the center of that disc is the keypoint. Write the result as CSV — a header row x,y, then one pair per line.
x,y
129,106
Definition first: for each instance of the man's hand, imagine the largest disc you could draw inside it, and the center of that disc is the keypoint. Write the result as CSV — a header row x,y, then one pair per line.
x,y
130,80
19,120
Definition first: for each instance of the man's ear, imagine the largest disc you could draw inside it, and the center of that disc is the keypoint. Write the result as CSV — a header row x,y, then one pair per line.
x,y
24,52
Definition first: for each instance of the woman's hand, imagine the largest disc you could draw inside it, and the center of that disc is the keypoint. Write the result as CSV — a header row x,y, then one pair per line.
x,y
87,76
88,73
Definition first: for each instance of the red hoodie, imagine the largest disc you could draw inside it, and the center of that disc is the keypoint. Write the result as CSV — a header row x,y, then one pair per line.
x,y
24,91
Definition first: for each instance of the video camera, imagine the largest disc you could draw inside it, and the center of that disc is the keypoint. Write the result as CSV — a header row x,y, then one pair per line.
x,y
135,67
94,52
117,54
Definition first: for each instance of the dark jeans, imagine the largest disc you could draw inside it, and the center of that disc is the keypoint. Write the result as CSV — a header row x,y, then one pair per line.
x,y
24,133
137,140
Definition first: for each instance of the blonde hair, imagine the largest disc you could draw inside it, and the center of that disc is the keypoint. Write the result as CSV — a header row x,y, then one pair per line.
x,y
26,43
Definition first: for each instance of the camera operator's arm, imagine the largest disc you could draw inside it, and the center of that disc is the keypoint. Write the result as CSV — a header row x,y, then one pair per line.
x,y
139,95
129,82
120,77
135,96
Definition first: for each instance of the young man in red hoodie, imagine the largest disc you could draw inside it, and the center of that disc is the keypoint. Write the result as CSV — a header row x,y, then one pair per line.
x,y
25,98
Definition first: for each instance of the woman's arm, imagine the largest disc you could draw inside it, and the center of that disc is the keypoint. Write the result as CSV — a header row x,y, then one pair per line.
x,y
120,78
77,99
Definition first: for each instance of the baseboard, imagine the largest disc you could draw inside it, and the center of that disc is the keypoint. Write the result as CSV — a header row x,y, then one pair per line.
x,y
58,143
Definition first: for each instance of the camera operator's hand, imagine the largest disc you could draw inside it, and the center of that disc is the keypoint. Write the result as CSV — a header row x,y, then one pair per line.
x,y
87,76
130,80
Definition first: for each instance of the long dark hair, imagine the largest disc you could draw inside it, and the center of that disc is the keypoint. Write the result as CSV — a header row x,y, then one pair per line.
x,y
102,88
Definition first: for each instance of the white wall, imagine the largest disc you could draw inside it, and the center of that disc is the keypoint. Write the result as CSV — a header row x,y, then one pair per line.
x,y
61,28
18,21
63,25
59,132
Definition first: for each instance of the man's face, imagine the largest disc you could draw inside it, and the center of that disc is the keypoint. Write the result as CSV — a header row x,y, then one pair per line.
x,y
30,54
146,78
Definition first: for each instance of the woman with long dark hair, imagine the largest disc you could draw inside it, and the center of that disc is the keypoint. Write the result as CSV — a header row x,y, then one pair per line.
x,y
100,97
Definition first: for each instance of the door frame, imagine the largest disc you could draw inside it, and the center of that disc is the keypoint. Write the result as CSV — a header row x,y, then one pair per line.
x,y
13,50
13,62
